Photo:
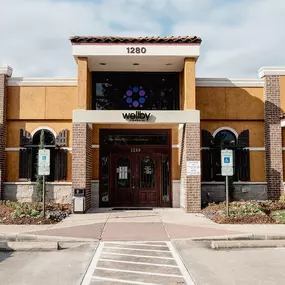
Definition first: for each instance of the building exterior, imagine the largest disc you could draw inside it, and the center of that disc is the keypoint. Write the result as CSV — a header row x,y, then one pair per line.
x,y
136,128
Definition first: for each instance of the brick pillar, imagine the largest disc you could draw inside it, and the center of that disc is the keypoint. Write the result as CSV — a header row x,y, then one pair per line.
x,y
189,135
5,72
82,159
273,137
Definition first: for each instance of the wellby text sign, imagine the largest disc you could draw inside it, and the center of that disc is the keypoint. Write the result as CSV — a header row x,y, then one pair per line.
x,y
136,116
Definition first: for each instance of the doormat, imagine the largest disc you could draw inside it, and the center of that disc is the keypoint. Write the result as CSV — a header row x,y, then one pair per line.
x,y
132,209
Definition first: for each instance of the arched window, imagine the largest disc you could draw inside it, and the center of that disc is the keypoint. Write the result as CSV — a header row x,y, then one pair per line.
x,y
29,157
49,139
225,138
49,143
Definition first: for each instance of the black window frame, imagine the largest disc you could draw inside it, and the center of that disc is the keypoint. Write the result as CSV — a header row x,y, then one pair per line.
x,y
172,79
28,159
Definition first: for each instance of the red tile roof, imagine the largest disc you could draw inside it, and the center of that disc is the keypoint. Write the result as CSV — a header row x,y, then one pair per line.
x,y
155,40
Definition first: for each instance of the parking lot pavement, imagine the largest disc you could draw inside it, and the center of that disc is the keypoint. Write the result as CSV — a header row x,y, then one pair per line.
x,y
61,267
137,263
264,266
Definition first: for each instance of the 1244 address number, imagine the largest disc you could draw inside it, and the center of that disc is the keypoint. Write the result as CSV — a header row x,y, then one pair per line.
x,y
136,50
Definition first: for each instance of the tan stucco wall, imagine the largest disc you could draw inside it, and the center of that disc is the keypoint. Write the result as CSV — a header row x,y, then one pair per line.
x,y
230,103
53,103
187,81
282,93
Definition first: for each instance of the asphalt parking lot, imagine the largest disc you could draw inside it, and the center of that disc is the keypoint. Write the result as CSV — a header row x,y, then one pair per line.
x,y
232,267
60,267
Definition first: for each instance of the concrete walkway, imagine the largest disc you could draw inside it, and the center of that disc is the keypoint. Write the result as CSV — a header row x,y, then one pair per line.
x,y
141,225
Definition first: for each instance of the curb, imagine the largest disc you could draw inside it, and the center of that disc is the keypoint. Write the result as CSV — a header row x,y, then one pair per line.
x,y
28,246
247,244
238,237
41,238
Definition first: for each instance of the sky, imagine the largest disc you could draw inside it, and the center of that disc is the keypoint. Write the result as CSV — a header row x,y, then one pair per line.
x,y
238,36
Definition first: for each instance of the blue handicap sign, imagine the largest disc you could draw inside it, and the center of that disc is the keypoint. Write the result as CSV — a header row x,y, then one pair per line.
x,y
227,159
44,157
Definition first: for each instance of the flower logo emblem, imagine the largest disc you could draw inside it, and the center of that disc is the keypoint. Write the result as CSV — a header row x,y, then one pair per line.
x,y
135,96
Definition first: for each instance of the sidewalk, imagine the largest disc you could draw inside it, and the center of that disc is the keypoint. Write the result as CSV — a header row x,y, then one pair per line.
x,y
156,225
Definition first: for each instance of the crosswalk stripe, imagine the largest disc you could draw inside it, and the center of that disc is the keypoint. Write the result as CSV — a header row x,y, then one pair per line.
x,y
122,281
134,243
138,255
135,262
137,249
138,272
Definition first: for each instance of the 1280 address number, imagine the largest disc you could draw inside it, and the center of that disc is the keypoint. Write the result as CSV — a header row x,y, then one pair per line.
x,y
136,50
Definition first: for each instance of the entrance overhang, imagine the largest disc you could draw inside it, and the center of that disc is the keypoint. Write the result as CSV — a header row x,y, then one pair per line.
x,y
136,117
137,55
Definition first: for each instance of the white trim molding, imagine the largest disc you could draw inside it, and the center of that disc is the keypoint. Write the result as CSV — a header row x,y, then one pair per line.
x,y
227,82
26,81
282,123
238,182
45,128
226,129
6,69
158,50
33,183
271,70
13,148
261,148
19,148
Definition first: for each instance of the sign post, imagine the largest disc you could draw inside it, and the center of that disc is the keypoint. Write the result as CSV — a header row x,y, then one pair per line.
x,y
43,170
227,170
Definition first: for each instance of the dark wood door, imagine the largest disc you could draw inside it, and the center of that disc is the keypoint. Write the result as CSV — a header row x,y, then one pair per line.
x,y
135,180
148,180
122,177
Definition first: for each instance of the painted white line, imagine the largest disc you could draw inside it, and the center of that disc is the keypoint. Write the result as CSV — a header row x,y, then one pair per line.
x,y
138,272
137,255
89,273
122,281
184,271
137,249
133,243
141,263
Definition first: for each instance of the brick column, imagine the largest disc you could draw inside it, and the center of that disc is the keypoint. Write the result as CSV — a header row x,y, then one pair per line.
x,y
5,72
189,135
273,137
82,159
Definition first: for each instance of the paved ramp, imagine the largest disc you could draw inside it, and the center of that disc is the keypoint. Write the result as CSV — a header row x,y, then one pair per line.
x,y
137,263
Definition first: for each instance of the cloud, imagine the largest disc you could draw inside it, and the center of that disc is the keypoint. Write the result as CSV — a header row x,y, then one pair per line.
x,y
238,36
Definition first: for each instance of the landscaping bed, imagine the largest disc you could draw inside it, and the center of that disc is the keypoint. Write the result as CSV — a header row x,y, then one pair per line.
x,y
18,213
249,212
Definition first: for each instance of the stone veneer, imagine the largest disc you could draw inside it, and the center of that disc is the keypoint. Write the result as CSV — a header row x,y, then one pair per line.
x,y
82,159
273,137
3,129
215,192
189,140
26,192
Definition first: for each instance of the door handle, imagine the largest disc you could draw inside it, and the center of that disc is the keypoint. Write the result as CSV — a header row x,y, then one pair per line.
x,y
133,181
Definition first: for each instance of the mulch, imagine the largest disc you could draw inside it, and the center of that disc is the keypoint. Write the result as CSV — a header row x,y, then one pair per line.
x,y
216,212
6,217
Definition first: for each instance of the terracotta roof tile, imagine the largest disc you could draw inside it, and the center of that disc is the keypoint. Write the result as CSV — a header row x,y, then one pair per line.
x,y
156,40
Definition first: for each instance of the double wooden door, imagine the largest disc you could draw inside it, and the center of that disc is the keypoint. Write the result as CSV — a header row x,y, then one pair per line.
x,y
135,179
